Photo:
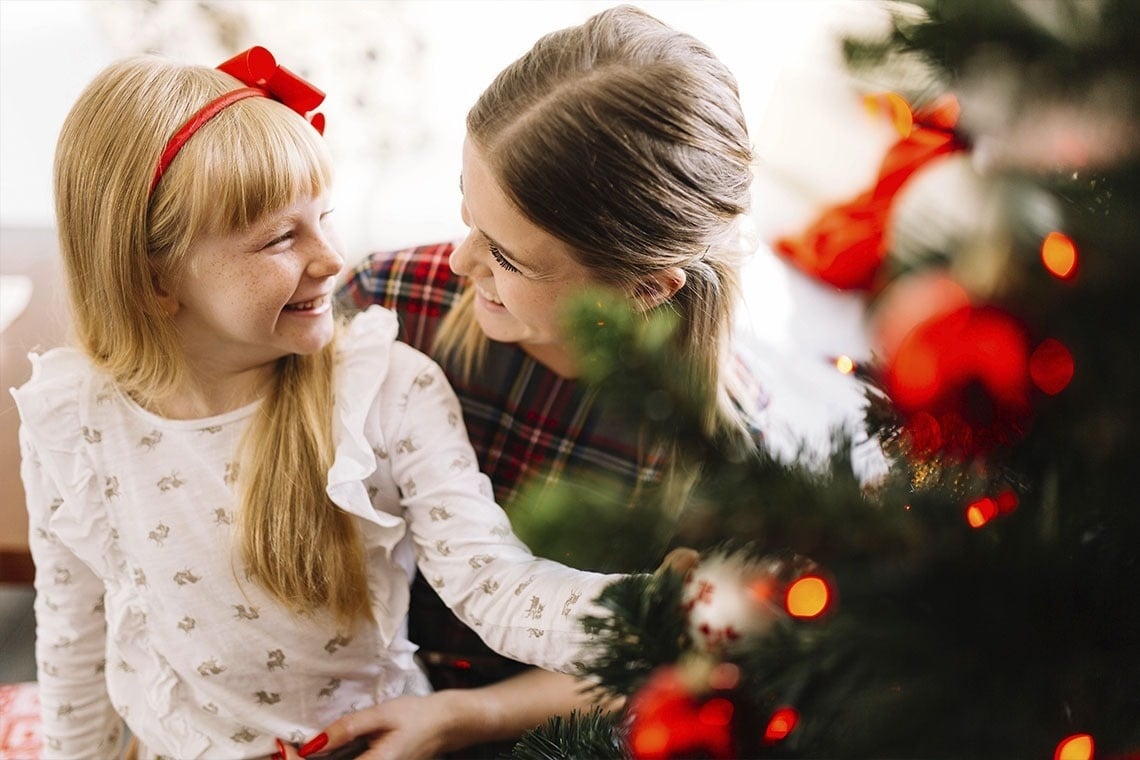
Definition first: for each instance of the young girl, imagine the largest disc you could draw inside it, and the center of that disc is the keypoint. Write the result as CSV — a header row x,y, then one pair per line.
x,y
228,500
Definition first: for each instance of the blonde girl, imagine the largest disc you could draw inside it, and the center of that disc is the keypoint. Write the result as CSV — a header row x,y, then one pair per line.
x,y
229,494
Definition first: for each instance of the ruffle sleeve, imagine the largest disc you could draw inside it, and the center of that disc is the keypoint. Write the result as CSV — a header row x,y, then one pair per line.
x,y
363,362
53,422
73,547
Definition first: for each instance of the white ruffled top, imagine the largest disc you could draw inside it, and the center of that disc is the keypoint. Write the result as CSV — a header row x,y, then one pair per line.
x,y
142,610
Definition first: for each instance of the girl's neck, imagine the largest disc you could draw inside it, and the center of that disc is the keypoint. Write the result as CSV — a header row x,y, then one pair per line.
x,y
208,394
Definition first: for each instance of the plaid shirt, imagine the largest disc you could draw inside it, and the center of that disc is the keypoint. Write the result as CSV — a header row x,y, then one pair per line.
x,y
524,421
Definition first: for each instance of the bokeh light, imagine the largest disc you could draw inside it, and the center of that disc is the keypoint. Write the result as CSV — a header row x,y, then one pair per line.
x,y
981,511
782,723
808,597
1059,255
1051,366
1075,747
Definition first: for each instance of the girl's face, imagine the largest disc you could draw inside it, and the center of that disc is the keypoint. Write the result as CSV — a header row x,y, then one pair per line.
x,y
522,275
249,297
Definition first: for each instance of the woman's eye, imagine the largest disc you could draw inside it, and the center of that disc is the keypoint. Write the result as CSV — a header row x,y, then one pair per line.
x,y
501,259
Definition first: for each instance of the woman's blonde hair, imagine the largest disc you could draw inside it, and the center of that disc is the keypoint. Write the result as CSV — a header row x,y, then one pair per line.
x,y
626,140
118,243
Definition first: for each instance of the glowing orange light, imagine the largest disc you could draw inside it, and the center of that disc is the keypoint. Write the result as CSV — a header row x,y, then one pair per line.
x,y
782,722
981,512
807,597
716,712
845,365
1075,747
1051,366
1059,255
896,107
651,740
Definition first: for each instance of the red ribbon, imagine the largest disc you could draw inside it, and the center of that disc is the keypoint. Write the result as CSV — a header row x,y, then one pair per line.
x,y
257,67
846,245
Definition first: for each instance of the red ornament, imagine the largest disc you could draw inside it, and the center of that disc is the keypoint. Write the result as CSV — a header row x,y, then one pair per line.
x,y
672,718
961,381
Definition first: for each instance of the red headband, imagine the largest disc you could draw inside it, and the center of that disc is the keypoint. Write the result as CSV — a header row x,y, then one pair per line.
x,y
257,68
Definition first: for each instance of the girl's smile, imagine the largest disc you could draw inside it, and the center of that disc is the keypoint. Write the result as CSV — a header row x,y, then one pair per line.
x,y
249,297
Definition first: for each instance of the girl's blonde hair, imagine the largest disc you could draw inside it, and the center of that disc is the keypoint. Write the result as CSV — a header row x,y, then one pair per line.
x,y
253,158
626,140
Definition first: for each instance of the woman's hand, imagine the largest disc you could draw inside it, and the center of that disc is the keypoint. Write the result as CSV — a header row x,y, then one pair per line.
x,y
404,727
453,719
680,561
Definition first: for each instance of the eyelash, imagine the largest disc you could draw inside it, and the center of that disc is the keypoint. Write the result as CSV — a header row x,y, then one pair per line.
x,y
278,240
289,234
502,261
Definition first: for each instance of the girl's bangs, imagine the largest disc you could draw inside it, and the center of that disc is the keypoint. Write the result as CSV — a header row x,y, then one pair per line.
x,y
255,163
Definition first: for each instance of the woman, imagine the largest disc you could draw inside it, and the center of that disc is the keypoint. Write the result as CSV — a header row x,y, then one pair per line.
x,y
613,153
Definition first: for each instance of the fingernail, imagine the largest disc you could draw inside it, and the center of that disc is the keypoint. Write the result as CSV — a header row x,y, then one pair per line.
x,y
280,753
317,743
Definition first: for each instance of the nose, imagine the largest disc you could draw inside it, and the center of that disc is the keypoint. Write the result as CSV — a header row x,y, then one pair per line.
x,y
325,259
464,259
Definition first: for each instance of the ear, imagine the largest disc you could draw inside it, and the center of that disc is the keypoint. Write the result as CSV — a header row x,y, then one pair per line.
x,y
164,295
658,287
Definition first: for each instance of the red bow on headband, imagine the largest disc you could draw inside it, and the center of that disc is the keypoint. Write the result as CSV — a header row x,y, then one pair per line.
x,y
258,68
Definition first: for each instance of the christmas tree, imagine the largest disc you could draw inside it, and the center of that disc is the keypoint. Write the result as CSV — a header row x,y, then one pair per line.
x,y
983,598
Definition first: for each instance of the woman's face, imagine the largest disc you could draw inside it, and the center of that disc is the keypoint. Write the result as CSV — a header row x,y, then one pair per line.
x,y
522,275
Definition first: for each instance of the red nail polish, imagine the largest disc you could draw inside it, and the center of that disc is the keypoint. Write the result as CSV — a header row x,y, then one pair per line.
x,y
317,743
280,753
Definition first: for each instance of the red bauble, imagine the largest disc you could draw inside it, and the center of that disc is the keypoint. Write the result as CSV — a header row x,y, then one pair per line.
x,y
961,380
671,717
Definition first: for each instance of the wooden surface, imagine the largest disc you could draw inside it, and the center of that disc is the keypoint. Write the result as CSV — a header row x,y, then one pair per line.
x,y
31,252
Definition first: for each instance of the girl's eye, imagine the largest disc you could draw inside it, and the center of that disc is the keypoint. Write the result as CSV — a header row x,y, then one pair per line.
x,y
277,241
502,261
